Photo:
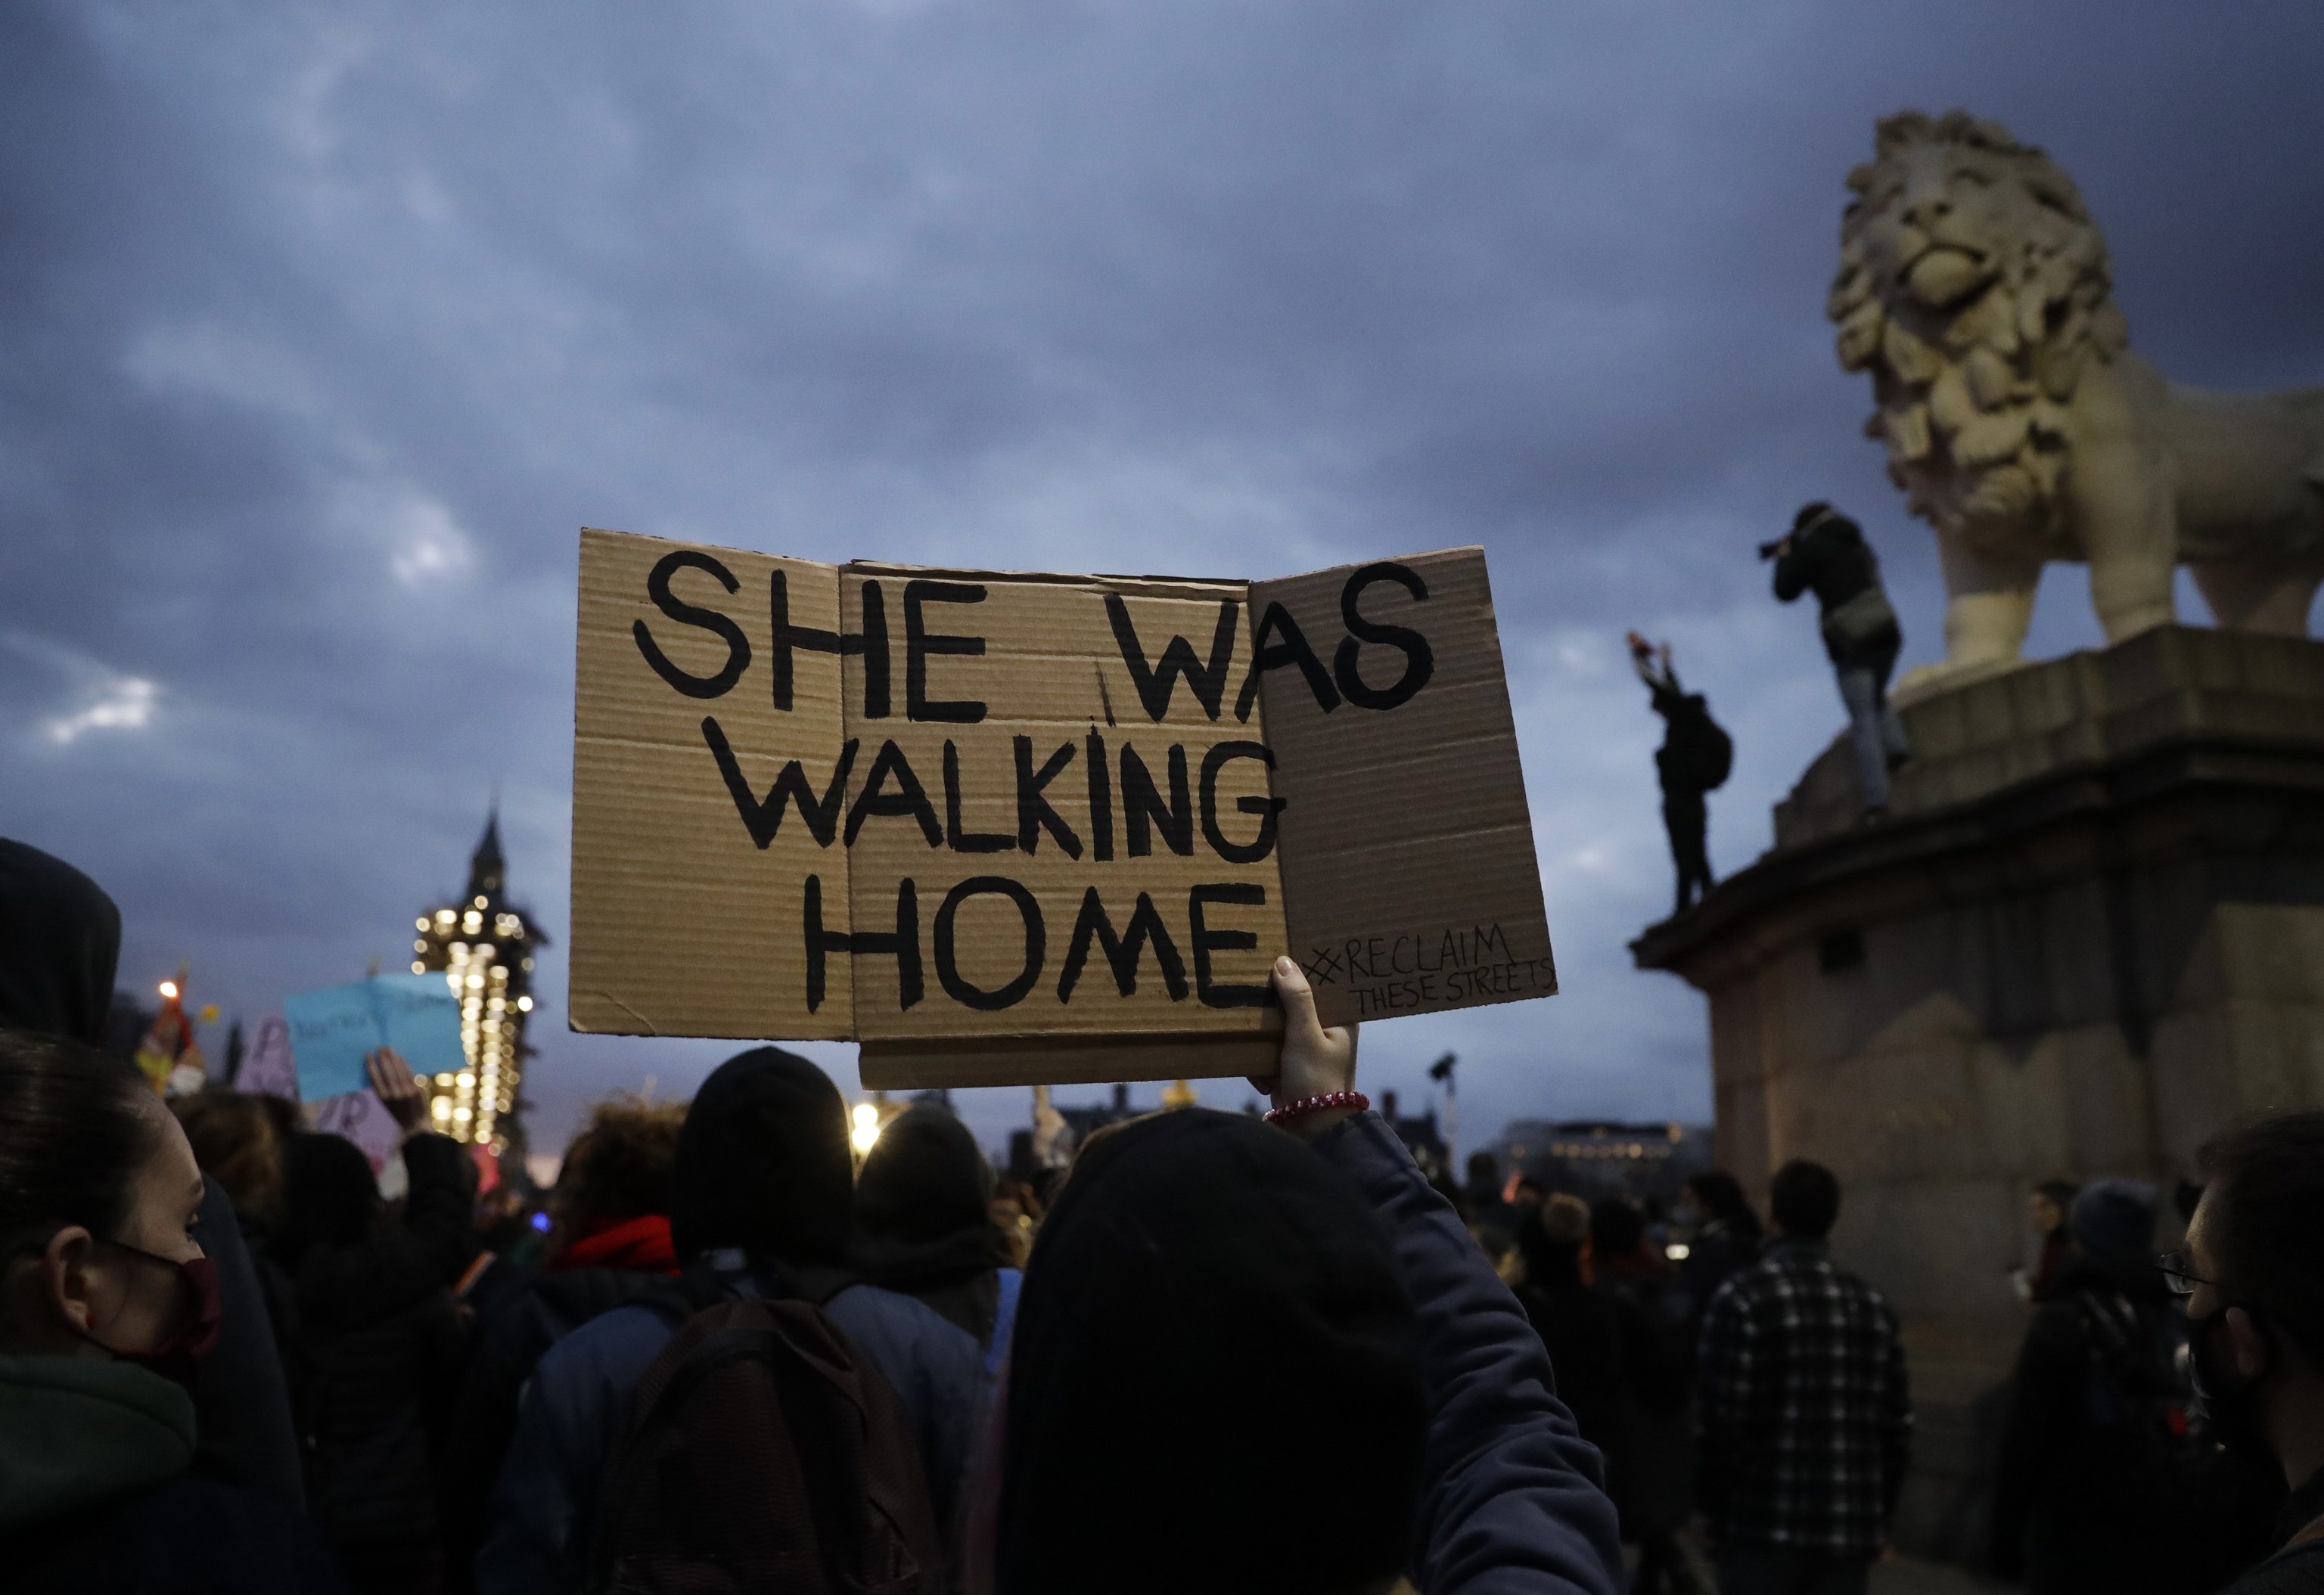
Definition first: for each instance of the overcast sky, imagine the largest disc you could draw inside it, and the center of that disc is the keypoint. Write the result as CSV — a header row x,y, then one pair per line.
x,y
324,328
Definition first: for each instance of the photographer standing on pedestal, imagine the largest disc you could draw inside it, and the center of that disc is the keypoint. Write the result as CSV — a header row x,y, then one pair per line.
x,y
1826,551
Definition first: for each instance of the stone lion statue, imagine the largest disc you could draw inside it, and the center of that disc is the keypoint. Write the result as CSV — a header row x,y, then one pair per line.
x,y
1975,288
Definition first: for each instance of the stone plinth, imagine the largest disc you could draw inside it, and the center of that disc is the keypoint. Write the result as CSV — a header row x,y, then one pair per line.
x,y
2091,933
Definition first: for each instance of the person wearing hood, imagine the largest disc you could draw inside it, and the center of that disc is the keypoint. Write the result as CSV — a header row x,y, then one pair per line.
x,y
59,947
923,1223
609,1244
383,1337
107,1307
2091,1494
761,1200
1250,1360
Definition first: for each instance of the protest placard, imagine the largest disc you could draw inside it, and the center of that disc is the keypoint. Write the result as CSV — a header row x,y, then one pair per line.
x,y
333,1029
1003,828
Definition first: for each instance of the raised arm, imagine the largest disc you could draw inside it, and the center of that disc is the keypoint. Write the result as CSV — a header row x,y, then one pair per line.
x,y
1515,1501
432,1248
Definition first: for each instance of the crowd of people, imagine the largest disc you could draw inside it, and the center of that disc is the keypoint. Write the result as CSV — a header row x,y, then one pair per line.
x,y
1218,1352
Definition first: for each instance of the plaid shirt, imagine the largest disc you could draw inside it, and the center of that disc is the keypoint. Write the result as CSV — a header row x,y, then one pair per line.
x,y
1805,1423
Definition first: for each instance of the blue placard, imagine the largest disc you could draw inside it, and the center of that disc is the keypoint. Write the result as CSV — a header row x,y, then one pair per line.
x,y
331,1030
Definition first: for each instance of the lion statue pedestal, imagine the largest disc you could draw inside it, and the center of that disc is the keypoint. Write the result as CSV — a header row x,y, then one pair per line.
x,y
1975,288
2091,934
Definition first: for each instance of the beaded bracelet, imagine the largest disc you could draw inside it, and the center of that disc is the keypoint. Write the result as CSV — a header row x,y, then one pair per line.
x,y
1318,1104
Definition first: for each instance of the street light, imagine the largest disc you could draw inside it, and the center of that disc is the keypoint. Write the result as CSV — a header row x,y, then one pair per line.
x,y
1441,1071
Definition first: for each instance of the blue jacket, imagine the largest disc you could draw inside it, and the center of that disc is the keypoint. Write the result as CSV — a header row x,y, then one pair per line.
x,y
575,1405
1514,1500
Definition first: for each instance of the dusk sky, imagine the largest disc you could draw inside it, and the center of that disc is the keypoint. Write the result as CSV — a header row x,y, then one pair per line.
x,y
327,328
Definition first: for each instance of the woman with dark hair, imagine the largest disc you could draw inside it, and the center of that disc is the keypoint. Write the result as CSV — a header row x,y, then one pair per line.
x,y
1268,1357
382,1336
60,942
107,1307
2048,1203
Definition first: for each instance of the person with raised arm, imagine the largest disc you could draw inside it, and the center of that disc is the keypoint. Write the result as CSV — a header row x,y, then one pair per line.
x,y
1267,1357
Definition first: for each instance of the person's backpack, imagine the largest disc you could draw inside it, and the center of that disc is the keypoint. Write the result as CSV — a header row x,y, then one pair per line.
x,y
2137,1392
764,1453
1697,752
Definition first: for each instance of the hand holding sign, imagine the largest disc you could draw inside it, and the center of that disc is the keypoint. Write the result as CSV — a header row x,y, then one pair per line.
x,y
397,1087
1314,1062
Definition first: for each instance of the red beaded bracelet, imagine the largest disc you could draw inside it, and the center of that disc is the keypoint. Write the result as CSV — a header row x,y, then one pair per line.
x,y
1318,1104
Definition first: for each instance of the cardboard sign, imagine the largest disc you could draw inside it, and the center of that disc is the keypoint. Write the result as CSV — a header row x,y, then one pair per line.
x,y
333,1029
1004,828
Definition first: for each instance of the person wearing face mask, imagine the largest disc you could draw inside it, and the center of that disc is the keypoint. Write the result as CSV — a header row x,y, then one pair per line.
x,y
59,947
2253,1275
107,1306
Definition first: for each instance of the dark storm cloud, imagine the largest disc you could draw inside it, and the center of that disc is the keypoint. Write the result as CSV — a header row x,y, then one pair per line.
x,y
326,331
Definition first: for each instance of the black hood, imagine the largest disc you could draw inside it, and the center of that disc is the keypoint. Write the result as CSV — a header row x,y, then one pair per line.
x,y
763,1164
60,943
330,1197
923,1207
1214,1379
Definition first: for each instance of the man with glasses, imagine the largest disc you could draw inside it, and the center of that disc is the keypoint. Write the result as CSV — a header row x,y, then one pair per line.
x,y
2253,1275
2102,1484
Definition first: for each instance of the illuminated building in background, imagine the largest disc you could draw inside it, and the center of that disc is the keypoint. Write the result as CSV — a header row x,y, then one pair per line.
x,y
485,948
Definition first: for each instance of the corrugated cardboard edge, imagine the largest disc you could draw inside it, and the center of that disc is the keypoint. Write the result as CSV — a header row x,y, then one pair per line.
x,y
1064,1060
1287,717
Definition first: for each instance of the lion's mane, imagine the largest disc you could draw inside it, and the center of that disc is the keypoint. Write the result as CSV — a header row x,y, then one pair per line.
x,y
1972,388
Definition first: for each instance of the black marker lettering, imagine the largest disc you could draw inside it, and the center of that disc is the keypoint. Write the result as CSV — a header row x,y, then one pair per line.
x,y
738,647
965,841
1101,799
1260,847
873,644
763,818
1208,941
948,969
1033,813
908,798
1420,663
919,643
1142,805
904,943
1121,953
1292,651
1155,685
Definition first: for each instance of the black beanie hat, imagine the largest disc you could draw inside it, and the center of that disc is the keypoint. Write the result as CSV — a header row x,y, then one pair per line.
x,y
763,1162
1214,1381
2114,1219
